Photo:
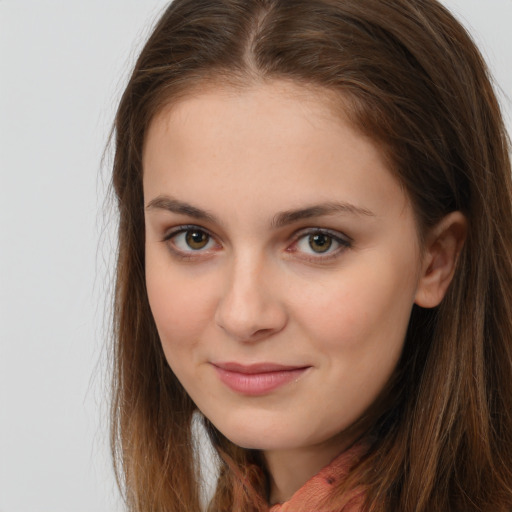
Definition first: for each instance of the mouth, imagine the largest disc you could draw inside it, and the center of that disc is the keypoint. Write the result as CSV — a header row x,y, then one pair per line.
x,y
257,379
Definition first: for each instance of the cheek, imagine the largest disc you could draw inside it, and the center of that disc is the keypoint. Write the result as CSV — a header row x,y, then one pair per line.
x,y
181,309
369,305
357,328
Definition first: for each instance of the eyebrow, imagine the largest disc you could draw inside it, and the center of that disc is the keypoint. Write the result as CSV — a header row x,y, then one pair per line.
x,y
173,205
279,220
331,208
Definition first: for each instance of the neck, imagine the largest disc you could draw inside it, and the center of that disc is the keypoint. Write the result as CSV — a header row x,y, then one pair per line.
x,y
290,469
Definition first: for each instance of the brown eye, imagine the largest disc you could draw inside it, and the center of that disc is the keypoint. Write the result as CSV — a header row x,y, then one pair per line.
x,y
196,239
320,242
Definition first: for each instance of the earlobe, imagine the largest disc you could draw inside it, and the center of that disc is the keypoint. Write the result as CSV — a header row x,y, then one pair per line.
x,y
442,248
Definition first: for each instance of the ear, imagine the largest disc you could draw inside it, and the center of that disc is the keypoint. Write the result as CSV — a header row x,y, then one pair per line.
x,y
442,248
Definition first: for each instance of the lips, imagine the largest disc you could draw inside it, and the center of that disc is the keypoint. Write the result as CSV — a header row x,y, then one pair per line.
x,y
257,379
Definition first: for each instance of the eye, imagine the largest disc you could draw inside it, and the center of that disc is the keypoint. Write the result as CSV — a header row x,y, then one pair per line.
x,y
190,239
320,243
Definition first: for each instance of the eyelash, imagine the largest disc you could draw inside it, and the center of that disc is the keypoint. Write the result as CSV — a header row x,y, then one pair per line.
x,y
191,254
343,242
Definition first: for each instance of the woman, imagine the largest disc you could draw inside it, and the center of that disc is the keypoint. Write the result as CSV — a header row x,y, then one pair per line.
x,y
315,253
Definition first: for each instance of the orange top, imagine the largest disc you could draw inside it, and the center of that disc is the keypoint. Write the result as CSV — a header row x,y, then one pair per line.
x,y
319,487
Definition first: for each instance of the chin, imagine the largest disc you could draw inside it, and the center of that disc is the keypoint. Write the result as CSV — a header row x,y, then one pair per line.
x,y
249,439
256,443
262,437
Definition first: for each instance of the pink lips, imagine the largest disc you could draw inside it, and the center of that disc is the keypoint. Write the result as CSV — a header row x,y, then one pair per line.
x,y
257,379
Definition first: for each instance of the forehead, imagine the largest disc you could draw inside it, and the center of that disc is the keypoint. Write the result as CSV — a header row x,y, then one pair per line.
x,y
218,104
273,140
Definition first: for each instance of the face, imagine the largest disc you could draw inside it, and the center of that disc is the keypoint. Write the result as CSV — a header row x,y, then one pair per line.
x,y
282,262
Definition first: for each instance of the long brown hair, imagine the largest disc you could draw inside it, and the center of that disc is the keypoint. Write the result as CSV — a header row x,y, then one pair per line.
x,y
408,76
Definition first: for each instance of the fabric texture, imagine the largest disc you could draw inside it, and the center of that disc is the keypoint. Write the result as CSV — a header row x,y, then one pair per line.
x,y
319,488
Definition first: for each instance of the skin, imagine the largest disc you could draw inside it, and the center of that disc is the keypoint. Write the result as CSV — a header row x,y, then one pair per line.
x,y
230,162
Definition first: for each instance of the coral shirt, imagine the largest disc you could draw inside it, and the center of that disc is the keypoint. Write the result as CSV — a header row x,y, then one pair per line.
x,y
320,487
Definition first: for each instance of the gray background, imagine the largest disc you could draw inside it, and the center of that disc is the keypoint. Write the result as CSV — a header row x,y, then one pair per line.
x,y
62,68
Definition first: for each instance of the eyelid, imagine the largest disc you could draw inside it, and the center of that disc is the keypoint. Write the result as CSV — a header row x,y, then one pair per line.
x,y
342,239
177,230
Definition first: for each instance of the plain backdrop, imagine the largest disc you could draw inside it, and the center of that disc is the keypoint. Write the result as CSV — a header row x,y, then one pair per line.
x,y
63,65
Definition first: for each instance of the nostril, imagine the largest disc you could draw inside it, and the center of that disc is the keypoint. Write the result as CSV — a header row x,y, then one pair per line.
x,y
249,330
248,335
261,333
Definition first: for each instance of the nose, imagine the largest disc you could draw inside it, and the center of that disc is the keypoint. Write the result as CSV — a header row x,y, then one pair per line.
x,y
250,307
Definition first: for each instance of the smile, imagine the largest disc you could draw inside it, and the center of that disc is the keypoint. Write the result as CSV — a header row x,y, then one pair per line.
x,y
257,379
